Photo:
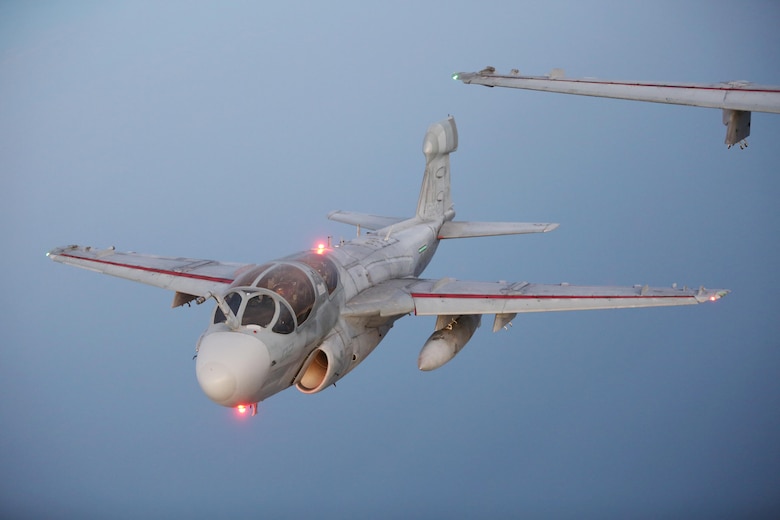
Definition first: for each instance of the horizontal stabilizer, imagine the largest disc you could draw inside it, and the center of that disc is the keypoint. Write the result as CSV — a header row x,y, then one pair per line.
x,y
489,229
364,220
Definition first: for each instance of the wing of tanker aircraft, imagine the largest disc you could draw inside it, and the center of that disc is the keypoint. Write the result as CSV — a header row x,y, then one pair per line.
x,y
737,99
308,319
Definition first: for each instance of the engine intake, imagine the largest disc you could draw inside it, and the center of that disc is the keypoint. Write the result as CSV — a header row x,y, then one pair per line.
x,y
325,365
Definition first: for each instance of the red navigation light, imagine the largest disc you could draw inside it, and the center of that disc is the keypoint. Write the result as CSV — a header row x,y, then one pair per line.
x,y
243,410
320,248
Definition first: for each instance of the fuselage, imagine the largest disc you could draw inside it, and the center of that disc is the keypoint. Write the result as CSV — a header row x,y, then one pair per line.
x,y
280,324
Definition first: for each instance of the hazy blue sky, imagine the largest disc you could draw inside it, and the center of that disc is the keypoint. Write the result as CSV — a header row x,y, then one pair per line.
x,y
229,132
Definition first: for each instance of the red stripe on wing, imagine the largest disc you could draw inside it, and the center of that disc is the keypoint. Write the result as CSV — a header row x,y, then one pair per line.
x,y
153,269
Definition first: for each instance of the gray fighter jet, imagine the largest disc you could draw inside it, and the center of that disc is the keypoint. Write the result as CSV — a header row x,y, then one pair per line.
x,y
308,319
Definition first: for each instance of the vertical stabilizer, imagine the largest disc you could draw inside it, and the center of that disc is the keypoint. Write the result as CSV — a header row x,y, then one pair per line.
x,y
440,140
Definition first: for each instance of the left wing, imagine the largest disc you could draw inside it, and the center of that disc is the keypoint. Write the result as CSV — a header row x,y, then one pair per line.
x,y
737,98
189,277
505,299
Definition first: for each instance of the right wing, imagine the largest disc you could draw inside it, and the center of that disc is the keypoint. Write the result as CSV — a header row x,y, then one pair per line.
x,y
505,299
189,277
448,296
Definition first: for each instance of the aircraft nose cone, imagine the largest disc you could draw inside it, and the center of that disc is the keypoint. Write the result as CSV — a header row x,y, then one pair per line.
x,y
232,367
216,381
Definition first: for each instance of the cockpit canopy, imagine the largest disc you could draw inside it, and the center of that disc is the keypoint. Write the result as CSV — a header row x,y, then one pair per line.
x,y
290,292
323,265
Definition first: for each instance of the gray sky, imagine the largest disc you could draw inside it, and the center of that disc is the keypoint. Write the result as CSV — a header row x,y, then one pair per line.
x,y
229,132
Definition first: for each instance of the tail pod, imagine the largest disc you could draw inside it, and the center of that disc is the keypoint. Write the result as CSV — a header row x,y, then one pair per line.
x,y
435,201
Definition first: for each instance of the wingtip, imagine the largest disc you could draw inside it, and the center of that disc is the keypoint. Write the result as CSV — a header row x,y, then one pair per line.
x,y
465,77
57,251
711,295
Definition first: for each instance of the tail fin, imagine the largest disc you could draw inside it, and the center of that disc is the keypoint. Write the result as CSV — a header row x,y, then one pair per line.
x,y
435,201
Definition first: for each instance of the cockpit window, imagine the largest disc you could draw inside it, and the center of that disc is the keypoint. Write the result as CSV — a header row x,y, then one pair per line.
x,y
248,279
324,266
234,302
292,284
285,324
259,310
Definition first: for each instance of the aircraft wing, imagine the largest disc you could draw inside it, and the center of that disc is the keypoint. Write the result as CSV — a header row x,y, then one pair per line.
x,y
737,98
189,277
462,297
505,299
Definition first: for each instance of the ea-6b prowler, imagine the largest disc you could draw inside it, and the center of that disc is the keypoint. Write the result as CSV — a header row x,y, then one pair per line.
x,y
306,320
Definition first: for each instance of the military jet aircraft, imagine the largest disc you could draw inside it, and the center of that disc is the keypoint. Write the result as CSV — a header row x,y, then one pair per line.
x,y
308,319
737,99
